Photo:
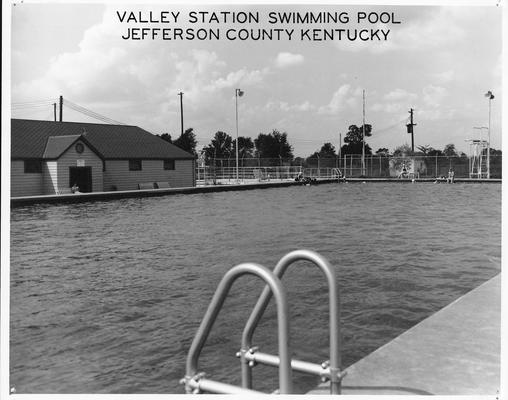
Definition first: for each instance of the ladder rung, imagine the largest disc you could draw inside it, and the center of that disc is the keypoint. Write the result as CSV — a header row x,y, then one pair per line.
x,y
296,365
211,386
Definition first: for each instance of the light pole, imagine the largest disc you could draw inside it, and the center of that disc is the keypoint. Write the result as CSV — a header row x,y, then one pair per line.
x,y
490,96
238,93
363,136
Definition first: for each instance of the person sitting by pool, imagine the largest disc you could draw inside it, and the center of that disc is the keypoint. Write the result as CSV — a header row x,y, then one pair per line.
x,y
403,173
75,188
451,176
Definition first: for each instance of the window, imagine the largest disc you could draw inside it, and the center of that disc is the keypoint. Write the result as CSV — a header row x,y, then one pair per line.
x,y
134,165
80,148
33,166
169,164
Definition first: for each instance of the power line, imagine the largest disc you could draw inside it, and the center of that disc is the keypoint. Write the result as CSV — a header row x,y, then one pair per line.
x,y
25,105
91,113
33,102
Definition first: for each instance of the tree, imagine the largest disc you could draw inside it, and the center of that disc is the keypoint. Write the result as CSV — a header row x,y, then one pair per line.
x,y
187,141
425,149
299,161
405,149
273,145
326,151
166,137
326,157
449,150
221,146
354,142
245,147
434,153
383,151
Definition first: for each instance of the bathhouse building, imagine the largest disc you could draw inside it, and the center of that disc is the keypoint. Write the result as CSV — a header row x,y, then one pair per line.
x,y
50,158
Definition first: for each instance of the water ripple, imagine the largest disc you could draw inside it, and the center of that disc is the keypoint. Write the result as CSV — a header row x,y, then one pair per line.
x,y
106,296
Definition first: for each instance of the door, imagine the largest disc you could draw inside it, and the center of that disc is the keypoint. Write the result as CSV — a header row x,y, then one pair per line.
x,y
82,177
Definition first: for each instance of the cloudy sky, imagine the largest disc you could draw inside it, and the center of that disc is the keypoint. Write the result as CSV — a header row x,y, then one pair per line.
x,y
438,60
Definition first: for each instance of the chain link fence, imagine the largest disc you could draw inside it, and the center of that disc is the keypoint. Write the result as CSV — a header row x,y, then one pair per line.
x,y
419,166
224,171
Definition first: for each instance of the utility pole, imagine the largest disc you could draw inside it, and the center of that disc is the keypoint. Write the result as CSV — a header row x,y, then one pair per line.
x,y
238,93
363,136
54,111
181,111
340,148
61,108
411,130
490,96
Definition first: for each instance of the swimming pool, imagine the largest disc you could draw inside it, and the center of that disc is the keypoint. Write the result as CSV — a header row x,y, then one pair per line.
x,y
106,296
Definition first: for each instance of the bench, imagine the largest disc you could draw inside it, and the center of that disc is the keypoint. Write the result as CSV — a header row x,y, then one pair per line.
x,y
162,185
259,174
64,191
145,186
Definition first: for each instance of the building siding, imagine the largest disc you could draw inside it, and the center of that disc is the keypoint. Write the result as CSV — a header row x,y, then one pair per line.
x,y
88,159
50,177
118,177
24,184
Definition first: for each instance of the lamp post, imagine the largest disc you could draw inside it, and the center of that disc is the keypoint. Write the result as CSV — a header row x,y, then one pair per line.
x,y
490,96
363,136
238,93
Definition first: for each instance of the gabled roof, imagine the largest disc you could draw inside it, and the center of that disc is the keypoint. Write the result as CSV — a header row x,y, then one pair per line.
x,y
56,145
31,138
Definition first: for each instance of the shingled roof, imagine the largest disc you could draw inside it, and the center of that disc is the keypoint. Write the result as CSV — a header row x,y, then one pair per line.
x,y
30,137
56,145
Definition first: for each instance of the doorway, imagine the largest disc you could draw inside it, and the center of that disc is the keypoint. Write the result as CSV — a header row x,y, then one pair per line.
x,y
82,177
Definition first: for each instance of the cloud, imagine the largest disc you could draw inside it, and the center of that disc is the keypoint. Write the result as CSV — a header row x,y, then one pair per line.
x,y
395,101
399,94
433,96
285,60
435,28
444,76
284,106
338,101
242,77
138,82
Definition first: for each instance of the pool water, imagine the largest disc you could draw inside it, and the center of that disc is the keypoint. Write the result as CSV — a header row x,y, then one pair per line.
x,y
106,296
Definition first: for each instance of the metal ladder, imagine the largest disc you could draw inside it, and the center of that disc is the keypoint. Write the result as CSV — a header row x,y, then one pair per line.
x,y
195,382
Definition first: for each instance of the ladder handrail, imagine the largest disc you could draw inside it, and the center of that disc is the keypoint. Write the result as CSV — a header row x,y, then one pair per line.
x,y
260,307
273,285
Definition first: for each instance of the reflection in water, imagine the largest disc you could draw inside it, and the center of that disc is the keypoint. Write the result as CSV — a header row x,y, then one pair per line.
x,y
106,296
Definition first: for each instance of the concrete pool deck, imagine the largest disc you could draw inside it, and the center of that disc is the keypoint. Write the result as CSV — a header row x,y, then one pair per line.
x,y
103,196
456,351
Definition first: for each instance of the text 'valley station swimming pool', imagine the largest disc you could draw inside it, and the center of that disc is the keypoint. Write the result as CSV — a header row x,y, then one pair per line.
x,y
332,26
